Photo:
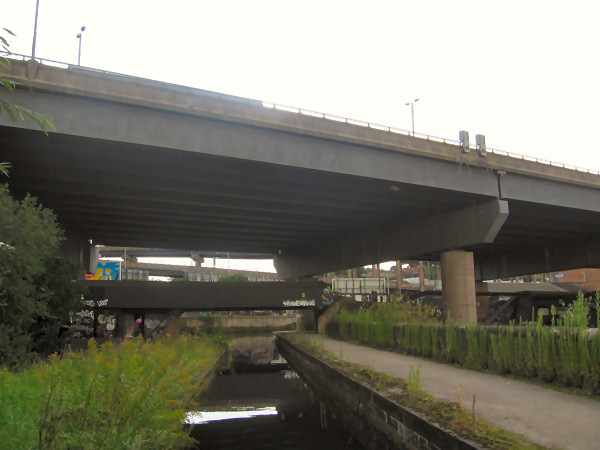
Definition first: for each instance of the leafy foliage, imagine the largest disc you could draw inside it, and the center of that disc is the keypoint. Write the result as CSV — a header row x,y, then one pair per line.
x,y
17,111
36,286
233,277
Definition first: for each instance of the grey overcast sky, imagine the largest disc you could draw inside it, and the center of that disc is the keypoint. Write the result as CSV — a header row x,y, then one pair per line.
x,y
525,73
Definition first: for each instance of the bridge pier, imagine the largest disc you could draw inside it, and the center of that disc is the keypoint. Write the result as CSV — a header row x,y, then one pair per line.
x,y
458,295
126,324
80,252
399,277
376,271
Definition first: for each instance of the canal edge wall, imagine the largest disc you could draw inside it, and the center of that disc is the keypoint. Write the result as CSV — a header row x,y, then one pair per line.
x,y
221,363
376,421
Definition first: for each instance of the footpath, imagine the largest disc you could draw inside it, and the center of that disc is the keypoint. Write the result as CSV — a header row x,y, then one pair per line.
x,y
542,415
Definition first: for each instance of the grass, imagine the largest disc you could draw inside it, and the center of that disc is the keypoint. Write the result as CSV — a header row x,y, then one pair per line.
x,y
409,393
132,395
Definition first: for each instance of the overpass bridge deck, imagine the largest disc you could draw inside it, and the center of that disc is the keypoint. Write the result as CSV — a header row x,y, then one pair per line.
x,y
139,163
205,296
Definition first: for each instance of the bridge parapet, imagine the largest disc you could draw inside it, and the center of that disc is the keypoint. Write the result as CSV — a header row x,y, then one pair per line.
x,y
101,85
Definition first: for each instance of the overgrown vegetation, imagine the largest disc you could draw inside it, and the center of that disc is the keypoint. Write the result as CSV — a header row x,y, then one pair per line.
x,y
409,393
131,395
565,352
37,288
233,277
377,325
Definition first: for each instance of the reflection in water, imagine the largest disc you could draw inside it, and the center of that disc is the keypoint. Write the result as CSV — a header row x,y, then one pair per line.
x,y
198,417
262,404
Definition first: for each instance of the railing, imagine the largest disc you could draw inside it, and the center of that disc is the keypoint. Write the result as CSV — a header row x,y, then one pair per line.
x,y
336,118
429,137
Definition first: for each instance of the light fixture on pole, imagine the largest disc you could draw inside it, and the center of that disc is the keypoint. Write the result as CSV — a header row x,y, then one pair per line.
x,y
412,113
37,8
79,37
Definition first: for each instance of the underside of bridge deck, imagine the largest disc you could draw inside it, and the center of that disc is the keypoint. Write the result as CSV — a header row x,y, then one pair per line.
x,y
144,164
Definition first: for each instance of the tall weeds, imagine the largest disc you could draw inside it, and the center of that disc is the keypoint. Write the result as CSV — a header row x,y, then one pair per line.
x,y
566,352
119,396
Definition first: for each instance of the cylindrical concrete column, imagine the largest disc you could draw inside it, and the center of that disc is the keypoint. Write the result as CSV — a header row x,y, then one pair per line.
x,y
174,325
399,277
125,324
376,271
421,277
458,294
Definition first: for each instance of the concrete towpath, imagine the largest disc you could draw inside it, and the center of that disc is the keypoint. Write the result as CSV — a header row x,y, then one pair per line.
x,y
544,416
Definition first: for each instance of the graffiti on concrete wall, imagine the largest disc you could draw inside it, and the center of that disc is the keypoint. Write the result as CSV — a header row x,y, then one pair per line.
x,y
155,325
94,320
107,324
82,323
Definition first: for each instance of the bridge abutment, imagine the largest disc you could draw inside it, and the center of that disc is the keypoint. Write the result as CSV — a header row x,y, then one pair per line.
x,y
458,295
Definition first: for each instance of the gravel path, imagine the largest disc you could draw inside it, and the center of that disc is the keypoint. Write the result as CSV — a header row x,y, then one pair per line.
x,y
544,416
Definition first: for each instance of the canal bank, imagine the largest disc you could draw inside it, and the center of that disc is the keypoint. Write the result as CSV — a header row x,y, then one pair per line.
x,y
544,416
376,420
260,403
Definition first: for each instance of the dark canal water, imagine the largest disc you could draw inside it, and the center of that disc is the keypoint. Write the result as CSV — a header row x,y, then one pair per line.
x,y
262,404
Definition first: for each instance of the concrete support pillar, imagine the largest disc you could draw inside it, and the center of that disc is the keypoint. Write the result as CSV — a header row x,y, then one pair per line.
x,y
458,295
349,273
376,271
421,277
174,326
399,277
80,252
126,324
306,320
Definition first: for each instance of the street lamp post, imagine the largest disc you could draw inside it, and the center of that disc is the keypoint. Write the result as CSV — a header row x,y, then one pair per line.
x,y
37,8
79,37
412,113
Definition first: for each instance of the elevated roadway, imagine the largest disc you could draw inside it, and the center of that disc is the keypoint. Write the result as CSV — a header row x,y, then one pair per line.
x,y
140,163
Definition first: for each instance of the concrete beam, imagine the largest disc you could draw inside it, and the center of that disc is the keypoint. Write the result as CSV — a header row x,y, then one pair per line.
x,y
200,296
453,230
540,259
549,192
115,88
161,127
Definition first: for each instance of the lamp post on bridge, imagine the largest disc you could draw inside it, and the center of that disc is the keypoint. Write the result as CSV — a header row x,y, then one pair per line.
x,y
37,8
79,35
412,113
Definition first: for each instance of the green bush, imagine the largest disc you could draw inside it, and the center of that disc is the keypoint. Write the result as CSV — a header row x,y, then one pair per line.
x,y
119,396
233,277
37,287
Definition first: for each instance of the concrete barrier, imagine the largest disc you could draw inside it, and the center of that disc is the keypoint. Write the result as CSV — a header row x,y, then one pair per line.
x,y
376,421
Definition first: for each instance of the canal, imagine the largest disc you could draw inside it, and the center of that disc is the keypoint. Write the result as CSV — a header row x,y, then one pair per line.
x,y
261,404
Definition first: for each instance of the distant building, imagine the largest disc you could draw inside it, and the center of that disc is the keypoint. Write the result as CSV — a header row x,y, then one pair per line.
x,y
589,279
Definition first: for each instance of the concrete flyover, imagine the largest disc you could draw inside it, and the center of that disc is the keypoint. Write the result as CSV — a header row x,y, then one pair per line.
x,y
209,296
140,163
162,304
